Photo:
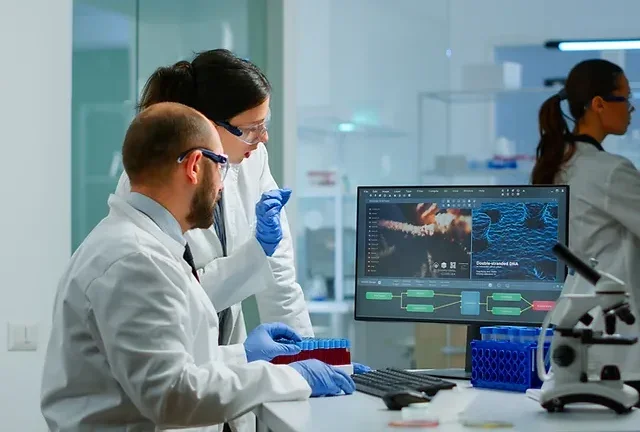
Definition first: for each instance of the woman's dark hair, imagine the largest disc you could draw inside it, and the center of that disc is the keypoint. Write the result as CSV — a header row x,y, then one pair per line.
x,y
586,80
217,83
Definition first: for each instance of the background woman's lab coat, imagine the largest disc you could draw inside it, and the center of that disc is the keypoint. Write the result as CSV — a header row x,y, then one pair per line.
x,y
604,223
134,341
247,270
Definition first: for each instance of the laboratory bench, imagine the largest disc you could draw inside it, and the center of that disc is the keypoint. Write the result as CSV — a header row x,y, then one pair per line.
x,y
361,412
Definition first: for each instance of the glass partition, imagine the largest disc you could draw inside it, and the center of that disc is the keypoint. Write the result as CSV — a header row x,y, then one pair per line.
x,y
117,44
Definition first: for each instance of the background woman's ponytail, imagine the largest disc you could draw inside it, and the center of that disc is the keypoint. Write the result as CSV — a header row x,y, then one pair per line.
x,y
551,152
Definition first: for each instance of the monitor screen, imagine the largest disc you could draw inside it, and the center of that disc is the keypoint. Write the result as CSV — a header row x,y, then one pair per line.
x,y
458,254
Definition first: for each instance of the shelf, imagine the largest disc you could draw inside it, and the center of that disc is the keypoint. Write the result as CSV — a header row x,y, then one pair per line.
x,y
477,96
319,192
330,196
324,192
487,95
484,172
450,350
323,125
328,306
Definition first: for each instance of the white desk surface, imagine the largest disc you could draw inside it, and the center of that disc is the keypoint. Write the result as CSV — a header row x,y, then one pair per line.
x,y
361,412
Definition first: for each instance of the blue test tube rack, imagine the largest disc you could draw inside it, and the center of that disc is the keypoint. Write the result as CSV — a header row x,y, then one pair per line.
x,y
505,358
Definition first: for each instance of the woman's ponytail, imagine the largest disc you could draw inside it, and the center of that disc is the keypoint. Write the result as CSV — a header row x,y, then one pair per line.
x,y
551,152
175,83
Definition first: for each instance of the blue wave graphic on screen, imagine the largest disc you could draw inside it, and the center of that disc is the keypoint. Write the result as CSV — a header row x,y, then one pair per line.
x,y
514,241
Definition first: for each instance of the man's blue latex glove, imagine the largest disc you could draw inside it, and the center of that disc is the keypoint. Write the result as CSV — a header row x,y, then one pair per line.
x,y
323,379
360,368
268,228
261,344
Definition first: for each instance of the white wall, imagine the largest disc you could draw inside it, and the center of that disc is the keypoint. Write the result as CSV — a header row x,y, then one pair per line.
x,y
35,84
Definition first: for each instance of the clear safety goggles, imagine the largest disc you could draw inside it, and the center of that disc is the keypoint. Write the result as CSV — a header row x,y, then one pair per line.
x,y
221,160
626,100
250,135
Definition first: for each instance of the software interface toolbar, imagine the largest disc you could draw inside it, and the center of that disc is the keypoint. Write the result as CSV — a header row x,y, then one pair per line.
x,y
459,254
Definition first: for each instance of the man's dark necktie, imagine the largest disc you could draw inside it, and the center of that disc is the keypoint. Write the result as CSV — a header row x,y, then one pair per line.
x,y
188,257
219,226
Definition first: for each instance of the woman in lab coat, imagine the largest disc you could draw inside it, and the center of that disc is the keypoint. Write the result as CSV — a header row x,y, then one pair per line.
x,y
604,216
234,94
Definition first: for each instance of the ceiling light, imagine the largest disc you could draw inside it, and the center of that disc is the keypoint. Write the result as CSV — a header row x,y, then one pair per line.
x,y
594,45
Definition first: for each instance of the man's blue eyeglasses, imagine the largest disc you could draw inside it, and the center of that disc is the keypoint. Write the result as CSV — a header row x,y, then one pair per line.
x,y
221,160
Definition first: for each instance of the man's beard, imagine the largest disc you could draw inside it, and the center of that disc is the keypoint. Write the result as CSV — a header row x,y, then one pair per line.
x,y
202,204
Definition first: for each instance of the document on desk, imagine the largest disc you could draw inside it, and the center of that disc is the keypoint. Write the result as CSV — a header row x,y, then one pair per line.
x,y
534,394
448,405
490,406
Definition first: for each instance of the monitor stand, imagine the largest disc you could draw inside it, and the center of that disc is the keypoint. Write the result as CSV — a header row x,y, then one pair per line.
x,y
473,333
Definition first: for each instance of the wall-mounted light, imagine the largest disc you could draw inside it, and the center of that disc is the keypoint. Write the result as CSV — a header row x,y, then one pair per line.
x,y
593,45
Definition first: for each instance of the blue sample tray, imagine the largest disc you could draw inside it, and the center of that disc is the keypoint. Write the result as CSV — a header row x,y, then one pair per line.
x,y
504,365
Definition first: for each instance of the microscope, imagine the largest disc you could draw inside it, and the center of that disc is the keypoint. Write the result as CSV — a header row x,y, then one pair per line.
x,y
570,343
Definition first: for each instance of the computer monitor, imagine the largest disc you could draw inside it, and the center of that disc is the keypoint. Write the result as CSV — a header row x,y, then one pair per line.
x,y
473,255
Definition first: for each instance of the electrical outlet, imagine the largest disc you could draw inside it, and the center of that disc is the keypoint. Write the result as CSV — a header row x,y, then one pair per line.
x,y
22,337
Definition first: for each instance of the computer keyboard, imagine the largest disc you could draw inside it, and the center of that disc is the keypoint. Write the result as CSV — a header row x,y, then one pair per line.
x,y
379,382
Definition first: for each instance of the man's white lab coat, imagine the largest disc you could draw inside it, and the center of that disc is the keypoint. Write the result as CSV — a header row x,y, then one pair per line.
x,y
247,270
133,343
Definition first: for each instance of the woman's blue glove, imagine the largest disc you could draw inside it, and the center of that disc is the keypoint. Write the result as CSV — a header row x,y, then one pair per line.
x,y
323,379
360,368
261,344
268,228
